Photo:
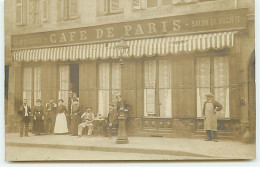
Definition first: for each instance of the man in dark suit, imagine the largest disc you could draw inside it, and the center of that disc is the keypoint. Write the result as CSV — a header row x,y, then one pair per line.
x,y
24,114
50,116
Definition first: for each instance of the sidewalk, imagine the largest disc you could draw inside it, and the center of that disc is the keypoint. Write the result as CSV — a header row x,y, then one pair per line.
x,y
145,145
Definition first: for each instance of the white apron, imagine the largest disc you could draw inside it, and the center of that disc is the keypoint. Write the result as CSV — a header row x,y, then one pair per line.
x,y
61,124
210,122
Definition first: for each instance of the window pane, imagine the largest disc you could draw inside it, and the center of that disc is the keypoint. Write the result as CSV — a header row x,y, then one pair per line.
x,y
152,3
37,84
34,11
27,85
149,91
104,76
64,83
116,81
166,2
203,82
165,98
221,82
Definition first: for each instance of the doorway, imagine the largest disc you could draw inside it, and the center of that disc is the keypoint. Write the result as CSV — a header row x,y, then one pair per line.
x,y
74,78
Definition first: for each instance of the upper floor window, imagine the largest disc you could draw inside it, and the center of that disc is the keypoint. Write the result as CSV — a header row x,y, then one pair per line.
x,y
106,7
143,4
69,9
30,12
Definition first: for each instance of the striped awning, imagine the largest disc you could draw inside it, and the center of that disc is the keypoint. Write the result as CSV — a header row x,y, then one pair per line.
x,y
137,48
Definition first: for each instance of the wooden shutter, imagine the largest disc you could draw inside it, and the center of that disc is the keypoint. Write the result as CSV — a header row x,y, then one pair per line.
x,y
234,87
183,102
102,7
21,12
116,6
73,9
44,10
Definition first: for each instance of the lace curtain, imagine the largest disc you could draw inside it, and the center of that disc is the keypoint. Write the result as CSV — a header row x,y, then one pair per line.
x,y
149,87
27,85
37,84
165,93
103,95
116,81
221,83
64,84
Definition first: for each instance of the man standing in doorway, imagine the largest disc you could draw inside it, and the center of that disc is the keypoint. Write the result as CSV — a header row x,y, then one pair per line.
x,y
24,114
210,107
75,117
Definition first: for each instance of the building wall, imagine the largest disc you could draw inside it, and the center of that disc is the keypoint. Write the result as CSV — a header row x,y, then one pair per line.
x,y
88,17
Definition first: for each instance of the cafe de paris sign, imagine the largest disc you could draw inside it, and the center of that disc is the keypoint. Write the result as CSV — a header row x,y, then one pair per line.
x,y
158,27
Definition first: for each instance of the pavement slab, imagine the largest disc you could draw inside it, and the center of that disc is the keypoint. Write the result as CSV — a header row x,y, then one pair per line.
x,y
198,148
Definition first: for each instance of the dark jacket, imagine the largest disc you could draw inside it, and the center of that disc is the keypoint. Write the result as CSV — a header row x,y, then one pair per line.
x,y
21,113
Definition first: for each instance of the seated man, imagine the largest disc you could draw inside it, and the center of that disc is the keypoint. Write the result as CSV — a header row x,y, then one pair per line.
x,y
88,118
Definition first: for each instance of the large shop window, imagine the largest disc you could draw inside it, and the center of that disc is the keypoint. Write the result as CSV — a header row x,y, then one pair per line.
x,y
106,7
212,75
69,9
161,107
109,86
32,84
31,12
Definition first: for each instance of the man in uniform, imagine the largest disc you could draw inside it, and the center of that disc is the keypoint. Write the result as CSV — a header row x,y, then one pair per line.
x,y
24,114
75,117
210,107
88,118
38,115
50,116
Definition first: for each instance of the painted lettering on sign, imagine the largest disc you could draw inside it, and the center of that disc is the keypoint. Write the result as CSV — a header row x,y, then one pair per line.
x,y
211,21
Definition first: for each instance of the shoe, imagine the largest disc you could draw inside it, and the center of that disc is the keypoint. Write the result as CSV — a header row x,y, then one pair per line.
x,y
26,135
21,135
215,140
208,139
78,136
89,136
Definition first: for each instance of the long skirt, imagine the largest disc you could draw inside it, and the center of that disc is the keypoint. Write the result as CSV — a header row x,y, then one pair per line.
x,y
61,124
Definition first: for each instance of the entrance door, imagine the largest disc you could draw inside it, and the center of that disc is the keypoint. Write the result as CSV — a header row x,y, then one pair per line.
x,y
68,81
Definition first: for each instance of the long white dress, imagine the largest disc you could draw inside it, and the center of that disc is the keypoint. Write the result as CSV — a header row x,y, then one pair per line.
x,y
61,124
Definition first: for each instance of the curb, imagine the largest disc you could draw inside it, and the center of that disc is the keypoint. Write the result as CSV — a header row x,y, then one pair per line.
x,y
110,149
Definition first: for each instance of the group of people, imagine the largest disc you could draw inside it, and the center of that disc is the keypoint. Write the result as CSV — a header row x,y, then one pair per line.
x,y
57,119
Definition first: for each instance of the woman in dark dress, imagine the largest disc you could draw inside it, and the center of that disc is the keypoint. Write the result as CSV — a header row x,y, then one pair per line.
x,y
38,116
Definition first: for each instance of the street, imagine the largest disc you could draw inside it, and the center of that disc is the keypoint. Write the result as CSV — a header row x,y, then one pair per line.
x,y
48,154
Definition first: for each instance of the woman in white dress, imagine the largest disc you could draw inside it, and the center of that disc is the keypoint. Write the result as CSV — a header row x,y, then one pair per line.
x,y
61,121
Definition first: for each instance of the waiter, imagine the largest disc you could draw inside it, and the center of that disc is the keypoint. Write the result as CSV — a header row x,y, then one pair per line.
x,y
210,107
24,114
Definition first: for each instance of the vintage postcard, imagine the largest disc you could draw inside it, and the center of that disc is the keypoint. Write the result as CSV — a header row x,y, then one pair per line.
x,y
113,80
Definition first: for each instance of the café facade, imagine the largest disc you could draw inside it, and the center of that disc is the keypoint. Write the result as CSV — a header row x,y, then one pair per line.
x,y
169,66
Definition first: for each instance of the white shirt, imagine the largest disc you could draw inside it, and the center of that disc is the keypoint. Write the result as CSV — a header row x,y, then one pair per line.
x,y
26,111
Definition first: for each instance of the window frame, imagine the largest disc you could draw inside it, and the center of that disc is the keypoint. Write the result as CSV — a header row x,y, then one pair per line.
x,y
107,8
157,87
32,101
65,14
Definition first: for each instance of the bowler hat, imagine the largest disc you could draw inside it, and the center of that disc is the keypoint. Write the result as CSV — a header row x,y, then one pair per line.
x,y
88,107
38,100
61,100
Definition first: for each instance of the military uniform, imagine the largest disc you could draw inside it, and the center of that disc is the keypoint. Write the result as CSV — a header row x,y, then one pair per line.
x,y
38,119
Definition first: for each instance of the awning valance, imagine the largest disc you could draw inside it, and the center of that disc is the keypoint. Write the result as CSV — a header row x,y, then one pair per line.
x,y
137,48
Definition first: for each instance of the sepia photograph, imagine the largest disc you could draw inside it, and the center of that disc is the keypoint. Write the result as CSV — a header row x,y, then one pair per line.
x,y
129,80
